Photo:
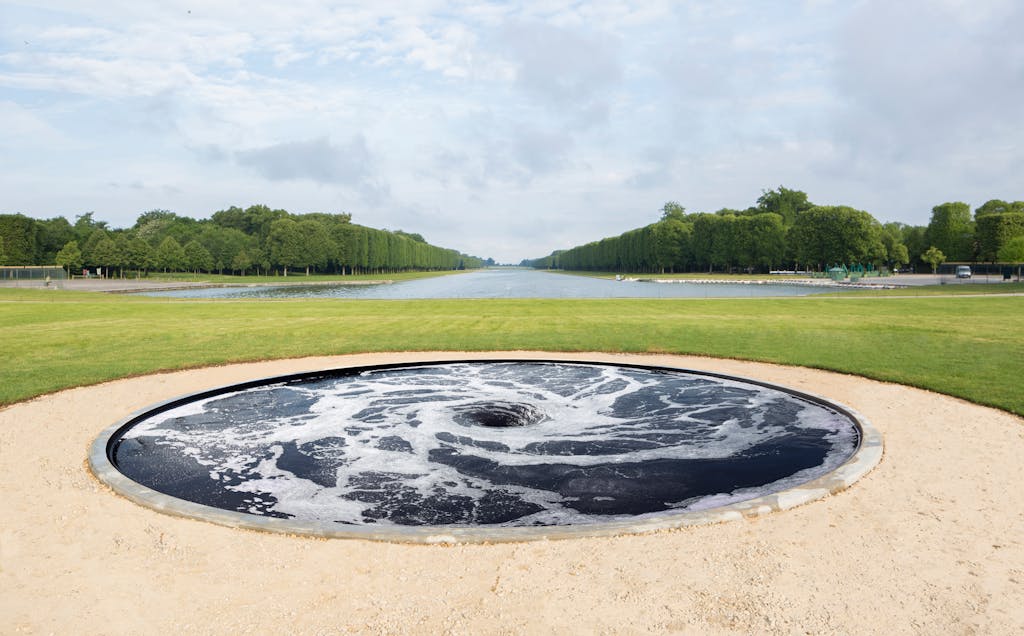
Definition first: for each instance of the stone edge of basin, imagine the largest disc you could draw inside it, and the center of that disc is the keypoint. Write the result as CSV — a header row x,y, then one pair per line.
x,y
864,459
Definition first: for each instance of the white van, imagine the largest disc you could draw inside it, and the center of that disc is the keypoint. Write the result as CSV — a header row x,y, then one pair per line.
x,y
963,271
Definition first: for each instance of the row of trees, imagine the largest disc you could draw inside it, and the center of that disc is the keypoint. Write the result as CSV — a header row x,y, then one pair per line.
x,y
255,239
784,230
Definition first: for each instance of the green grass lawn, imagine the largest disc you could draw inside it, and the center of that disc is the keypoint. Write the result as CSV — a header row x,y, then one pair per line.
x,y
971,347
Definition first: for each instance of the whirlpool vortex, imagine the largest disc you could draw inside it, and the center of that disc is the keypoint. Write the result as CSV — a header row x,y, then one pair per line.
x,y
483,443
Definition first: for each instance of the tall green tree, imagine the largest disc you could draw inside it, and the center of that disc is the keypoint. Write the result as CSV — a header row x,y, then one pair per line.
x,y
672,242
714,240
139,255
951,230
52,235
156,225
361,249
105,255
934,257
152,226
170,256
319,245
784,202
285,245
1013,252
997,206
896,253
233,217
85,226
70,257
197,257
378,250
827,235
242,261
19,234
913,236
89,256
256,220
765,245
223,243
673,211
339,246
994,230
123,244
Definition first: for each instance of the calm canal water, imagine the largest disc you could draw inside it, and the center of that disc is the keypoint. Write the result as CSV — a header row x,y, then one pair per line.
x,y
504,283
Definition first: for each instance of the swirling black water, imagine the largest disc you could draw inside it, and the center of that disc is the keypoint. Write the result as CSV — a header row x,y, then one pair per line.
x,y
507,443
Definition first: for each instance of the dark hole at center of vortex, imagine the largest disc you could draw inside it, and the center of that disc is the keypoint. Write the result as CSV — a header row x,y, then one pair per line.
x,y
498,414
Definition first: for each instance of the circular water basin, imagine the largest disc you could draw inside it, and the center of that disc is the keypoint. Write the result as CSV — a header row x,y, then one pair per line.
x,y
485,451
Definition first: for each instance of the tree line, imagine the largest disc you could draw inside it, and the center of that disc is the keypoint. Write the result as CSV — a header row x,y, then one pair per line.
x,y
256,239
784,230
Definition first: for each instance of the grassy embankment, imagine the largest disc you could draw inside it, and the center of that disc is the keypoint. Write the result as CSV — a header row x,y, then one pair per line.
x,y
682,276
971,347
953,288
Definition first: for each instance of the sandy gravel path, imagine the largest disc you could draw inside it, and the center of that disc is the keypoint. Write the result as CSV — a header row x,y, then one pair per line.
x,y
930,542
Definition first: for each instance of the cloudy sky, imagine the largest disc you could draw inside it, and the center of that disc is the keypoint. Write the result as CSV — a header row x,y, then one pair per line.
x,y
507,129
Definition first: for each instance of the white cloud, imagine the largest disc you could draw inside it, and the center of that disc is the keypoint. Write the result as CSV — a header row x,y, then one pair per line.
x,y
563,68
920,70
21,126
508,129
318,160
931,84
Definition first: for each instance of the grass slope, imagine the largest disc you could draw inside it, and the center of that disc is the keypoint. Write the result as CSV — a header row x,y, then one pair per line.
x,y
971,347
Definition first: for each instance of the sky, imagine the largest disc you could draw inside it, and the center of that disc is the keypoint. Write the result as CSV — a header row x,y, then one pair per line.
x,y
507,129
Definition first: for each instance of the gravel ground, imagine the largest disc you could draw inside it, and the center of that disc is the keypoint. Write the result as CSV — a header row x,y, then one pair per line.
x,y
930,542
